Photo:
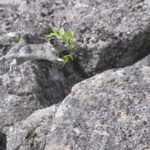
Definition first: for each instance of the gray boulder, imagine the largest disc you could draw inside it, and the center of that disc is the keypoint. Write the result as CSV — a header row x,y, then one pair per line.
x,y
110,34
30,131
2,141
19,95
109,111
31,86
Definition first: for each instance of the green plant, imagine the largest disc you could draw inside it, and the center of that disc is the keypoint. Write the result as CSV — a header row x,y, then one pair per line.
x,y
67,36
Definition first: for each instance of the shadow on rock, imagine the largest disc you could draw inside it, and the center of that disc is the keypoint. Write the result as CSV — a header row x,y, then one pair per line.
x,y
2,141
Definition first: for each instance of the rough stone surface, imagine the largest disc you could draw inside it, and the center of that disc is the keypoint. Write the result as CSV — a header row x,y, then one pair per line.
x,y
111,33
2,141
31,86
19,95
109,111
11,2
37,122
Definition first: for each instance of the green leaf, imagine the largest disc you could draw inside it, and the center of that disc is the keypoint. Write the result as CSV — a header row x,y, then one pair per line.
x,y
56,34
54,31
72,46
65,58
71,34
65,36
49,35
61,32
47,40
37,136
16,40
71,57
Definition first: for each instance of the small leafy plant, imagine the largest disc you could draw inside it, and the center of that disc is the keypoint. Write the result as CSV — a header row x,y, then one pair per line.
x,y
67,36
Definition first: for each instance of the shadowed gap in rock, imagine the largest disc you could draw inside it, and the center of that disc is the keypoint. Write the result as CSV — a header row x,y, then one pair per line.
x,y
2,141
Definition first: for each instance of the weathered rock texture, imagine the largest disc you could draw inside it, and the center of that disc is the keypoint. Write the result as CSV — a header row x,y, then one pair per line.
x,y
2,141
31,86
109,111
19,95
111,33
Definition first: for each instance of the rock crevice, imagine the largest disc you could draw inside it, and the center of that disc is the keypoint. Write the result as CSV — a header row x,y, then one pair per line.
x,y
110,110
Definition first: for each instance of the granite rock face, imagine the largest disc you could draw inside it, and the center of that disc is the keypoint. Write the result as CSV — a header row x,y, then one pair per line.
x,y
37,122
109,111
33,84
111,33
20,95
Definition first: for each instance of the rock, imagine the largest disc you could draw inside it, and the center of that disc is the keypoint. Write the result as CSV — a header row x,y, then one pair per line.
x,y
107,111
11,2
42,117
110,34
19,95
31,86
2,141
